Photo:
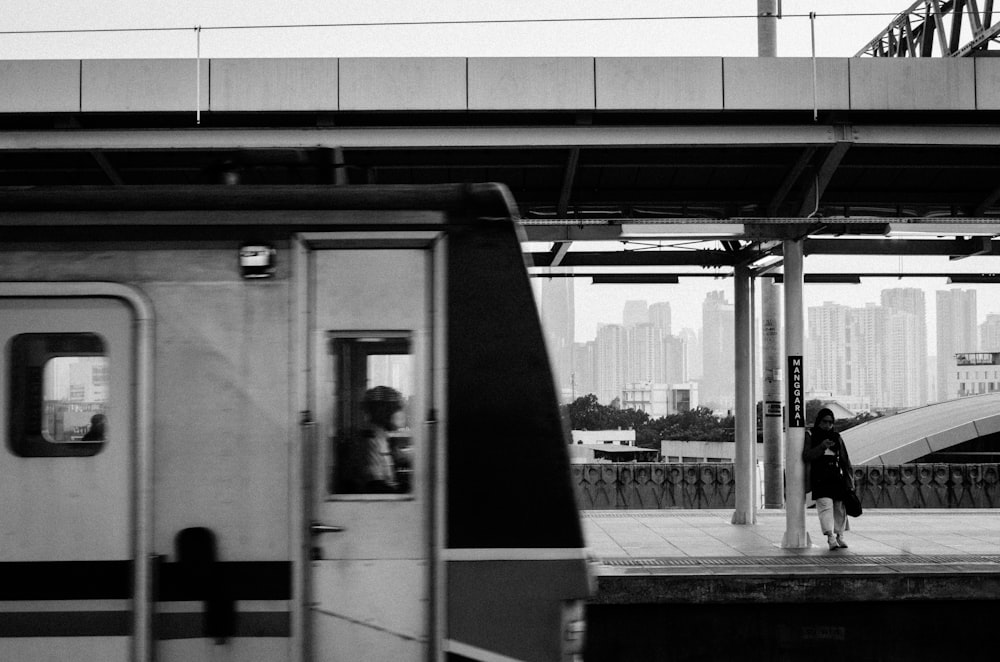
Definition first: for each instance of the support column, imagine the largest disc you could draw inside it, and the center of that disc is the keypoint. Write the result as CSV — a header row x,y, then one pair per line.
x,y
771,345
746,446
795,504
767,28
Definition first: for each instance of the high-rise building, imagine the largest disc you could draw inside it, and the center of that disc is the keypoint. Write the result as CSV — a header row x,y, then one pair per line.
x,y
675,365
909,300
826,360
659,316
645,353
636,311
717,388
692,353
610,361
867,371
867,364
956,333
559,323
906,373
583,381
989,334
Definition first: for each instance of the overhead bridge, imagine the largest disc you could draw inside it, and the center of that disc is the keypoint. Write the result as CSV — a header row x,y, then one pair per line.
x,y
591,149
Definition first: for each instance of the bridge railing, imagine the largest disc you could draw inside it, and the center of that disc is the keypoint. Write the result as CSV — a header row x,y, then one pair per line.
x,y
658,485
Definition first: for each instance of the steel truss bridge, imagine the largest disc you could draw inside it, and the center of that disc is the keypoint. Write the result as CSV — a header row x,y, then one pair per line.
x,y
938,28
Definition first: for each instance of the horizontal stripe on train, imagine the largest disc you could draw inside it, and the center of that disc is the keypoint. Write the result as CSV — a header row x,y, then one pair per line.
x,y
242,606
67,606
96,580
66,624
65,580
248,624
119,624
241,580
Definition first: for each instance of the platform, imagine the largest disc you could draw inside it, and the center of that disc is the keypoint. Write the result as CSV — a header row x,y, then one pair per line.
x,y
677,556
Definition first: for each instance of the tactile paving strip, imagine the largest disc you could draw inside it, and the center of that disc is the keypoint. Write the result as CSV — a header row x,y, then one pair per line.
x,y
715,561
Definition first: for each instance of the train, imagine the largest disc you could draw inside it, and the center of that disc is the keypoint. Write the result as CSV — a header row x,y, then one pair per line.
x,y
269,423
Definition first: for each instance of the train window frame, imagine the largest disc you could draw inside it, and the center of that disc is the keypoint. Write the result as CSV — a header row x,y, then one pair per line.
x,y
29,353
346,416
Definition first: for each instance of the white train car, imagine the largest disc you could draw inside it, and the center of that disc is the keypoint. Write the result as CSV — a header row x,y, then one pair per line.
x,y
192,469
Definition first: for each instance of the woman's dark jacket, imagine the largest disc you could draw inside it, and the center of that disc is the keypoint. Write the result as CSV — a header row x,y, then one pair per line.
x,y
821,475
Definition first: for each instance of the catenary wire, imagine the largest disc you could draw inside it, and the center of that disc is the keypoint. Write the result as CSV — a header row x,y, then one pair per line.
x,y
363,24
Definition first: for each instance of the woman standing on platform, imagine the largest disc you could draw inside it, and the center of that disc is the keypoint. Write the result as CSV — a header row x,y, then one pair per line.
x,y
829,472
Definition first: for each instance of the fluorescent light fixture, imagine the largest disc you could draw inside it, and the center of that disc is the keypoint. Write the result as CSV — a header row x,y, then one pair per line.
x,y
701,230
939,229
974,278
634,279
848,279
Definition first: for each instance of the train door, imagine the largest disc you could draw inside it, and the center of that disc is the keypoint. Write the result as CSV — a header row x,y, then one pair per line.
x,y
371,568
66,479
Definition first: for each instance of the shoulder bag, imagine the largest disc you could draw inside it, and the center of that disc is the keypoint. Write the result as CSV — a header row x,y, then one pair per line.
x,y
852,504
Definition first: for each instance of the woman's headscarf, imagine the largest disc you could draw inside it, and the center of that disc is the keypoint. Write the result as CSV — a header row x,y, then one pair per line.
x,y
818,433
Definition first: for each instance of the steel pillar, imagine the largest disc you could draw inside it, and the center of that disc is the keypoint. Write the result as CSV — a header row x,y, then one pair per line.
x,y
746,447
774,488
795,504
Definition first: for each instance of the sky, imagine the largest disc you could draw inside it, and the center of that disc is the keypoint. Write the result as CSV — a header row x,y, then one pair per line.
x,y
434,31
837,36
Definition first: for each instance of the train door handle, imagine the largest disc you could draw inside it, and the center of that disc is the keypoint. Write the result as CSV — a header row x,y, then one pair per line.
x,y
318,528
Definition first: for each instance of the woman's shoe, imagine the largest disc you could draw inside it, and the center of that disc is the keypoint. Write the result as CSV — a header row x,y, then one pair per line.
x,y
841,543
832,541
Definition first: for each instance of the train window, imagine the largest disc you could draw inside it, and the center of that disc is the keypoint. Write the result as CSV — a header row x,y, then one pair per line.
x,y
59,395
372,451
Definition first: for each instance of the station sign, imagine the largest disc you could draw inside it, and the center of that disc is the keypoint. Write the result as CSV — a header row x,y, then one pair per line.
x,y
796,394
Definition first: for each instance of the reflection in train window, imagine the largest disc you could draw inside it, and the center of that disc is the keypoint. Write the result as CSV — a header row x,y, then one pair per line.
x,y
373,389
59,399
75,399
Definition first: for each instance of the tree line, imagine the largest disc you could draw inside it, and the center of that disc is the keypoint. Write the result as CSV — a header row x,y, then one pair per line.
x,y
698,424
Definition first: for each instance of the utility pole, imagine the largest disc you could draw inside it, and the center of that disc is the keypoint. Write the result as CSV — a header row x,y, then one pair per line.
x,y
773,422
768,13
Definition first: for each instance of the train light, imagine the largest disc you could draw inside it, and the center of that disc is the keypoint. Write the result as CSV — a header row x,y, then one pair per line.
x,y
257,260
574,626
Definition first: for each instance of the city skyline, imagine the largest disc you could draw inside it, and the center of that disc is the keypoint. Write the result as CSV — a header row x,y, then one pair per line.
x,y
867,351
686,311
601,304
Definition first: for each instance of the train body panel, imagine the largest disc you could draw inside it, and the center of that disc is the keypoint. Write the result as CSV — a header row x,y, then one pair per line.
x,y
254,509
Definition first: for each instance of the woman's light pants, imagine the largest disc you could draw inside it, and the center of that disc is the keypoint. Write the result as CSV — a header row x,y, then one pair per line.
x,y
832,516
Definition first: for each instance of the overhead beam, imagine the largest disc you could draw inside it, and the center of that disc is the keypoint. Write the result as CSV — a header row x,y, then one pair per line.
x,y
704,258
474,137
946,247
501,137
792,176
987,202
814,194
567,185
558,252
105,165
980,246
